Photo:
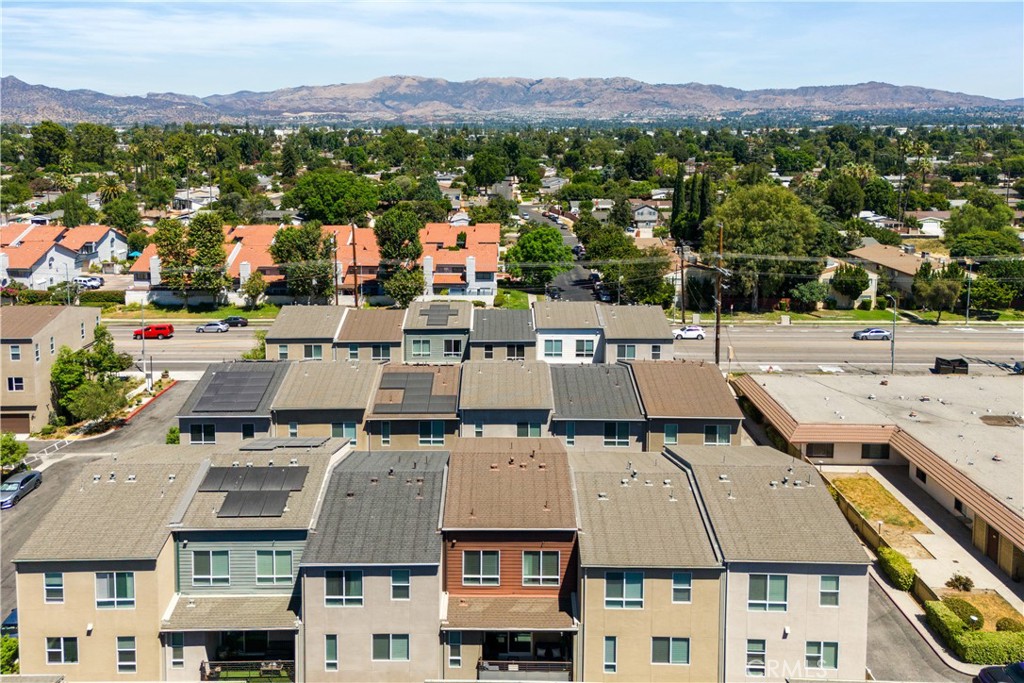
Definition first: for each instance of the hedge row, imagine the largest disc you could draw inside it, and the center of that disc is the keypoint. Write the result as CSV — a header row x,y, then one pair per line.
x,y
896,567
974,647
102,296
34,296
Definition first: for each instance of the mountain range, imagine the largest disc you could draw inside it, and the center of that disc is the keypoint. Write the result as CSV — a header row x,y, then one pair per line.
x,y
413,99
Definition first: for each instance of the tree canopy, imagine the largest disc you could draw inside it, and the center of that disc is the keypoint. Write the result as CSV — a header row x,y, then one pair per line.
x,y
539,256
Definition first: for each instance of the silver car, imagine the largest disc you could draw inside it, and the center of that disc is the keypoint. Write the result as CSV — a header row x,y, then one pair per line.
x,y
18,486
873,333
216,326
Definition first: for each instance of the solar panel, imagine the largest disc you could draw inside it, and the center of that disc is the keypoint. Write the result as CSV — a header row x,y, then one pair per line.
x,y
233,479
254,479
295,478
275,479
214,479
393,380
232,505
252,504
271,443
274,503
234,391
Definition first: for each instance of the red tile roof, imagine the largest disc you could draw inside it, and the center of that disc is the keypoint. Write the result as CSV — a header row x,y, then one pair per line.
x,y
38,233
481,242
26,254
141,264
75,238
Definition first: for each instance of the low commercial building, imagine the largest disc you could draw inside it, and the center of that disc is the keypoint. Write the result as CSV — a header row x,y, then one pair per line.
x,y
231,402
505,399
305,333
437,331
502,334
596,408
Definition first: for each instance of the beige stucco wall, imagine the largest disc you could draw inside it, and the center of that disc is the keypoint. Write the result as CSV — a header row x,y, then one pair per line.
x,y
850,454
644,350
419,617
405,435
318,423
691,432
590,435
341,352
786,633
501,423
660,617
295,350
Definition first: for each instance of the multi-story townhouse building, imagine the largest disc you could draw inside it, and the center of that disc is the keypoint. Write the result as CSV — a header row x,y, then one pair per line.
x,y
95,243
509,576
460,259
651,581
305,333
30,339
32,256
373,334
505,399
686,403
636,333
502,334
325,399
596,407
371,579
437,331
796,584
231,403
570,332
415,407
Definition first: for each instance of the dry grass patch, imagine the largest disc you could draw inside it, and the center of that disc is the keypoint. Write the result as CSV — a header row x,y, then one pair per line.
x,y
875,503
990,603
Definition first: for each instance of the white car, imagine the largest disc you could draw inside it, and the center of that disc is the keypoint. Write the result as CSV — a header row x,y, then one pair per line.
x,y
689,332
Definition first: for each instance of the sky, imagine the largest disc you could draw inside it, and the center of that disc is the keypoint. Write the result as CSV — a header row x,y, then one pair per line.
x,y
202,47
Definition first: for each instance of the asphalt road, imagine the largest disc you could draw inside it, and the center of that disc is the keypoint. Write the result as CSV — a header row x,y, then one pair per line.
x,y
536,215
187,349
896,652
575,285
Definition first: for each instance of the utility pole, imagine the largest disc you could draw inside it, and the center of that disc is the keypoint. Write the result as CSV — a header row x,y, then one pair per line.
x,y
355,268
967,317
892,337
718,298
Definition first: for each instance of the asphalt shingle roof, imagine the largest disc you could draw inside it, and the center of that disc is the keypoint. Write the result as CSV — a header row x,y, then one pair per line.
x,y
562,315
306,323
636,322
328,386
278,369
391,515
460,319
502,325
230,613
594,392
518,385
23,322
372,325
684,389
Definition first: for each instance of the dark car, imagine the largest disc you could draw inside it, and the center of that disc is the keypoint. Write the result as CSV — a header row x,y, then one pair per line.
x,y
236,321
873,333
18,486
1002,674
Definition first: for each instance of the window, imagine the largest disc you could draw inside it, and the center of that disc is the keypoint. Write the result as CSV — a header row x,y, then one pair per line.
x,y
624,590
293,429
670,650
767,593
53,346
671,434
282,352
625,352
177,650
527,429
921,475
828,595
211,568
540,567
15,384
312,352
380,352
682,587
37,352
62,650
385,433
958,505
353,351
822,655
432,433
478,429
344,430
53,587
115,590
570,433
420,348
515,352
400,584
552,348
480,568
610,655
126,654
874,451
83,330
391,646
15,351
453,348
756,656
330,652
454,649
203,434
488,351
821,450
655,351
274,566
344,588
717,435
584,348
248,430
616,433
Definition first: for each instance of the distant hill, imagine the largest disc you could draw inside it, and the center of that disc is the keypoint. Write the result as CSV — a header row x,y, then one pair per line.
x,y
414,99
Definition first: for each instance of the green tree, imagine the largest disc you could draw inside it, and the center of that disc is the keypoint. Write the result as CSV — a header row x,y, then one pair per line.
x,y
539,256
110,188
398,235
12,452
102,360
253,289
123,214
206,244
808,295
1007,272
984,243
137,241
850,281
990,294
76,210
844,194
175,256
49,141
67,374
638,158
644,278
14,192
9,655
290,161
333,197
158,193
488,167
405,285
94,143
96,400
173,437
939,295
305,255
880,197
621,215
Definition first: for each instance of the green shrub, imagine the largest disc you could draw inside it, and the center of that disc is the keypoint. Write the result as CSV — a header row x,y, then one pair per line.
x,y
499,299
897,568
173,436
47,430
1009,624
102,296
33,296
974,647
965,611
881,303
960,582
864,305
479,304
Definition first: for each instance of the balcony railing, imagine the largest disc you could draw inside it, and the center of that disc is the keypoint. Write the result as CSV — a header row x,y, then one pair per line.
x,y
537,670
282,670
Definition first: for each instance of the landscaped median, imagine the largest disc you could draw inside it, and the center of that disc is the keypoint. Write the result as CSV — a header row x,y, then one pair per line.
x,y
974,646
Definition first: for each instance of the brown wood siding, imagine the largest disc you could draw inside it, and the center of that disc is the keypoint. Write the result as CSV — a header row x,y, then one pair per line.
x,y
510,562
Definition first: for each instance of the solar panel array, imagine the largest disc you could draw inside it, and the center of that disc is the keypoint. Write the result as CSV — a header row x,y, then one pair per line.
x,y
254,504
271,443
254,491
233,392
437,314
417,397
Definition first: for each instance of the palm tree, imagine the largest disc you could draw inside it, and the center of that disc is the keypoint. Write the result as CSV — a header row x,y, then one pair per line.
x,y
111,187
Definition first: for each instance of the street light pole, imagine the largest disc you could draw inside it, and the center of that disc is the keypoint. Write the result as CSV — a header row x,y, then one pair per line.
x,y
892,337
718,299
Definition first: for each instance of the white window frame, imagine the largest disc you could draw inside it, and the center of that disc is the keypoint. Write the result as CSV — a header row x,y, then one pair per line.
x,y
552,348
488,351
655,351
531,429
203,440
481,579
570,433
353,351
616,441
15,384
432,439
176,642
682,587
275,578
478,429
716,439
53,594
347,430
625,352
542,579
83,330
385,433
380,352
343,599
453,348
823,591
282,352
515,352
114,601
672,440
611,665
819,645
38,355
421,348
312,352
767,604
329,663
455,649
585,348
624,602
293,430
212,579
15,351
129,666
397,581
391,647
61,650
757,658
53,345
671,646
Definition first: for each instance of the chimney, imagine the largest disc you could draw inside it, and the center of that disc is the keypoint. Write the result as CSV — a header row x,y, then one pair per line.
x,y
244,271
470,272
154,270
428,273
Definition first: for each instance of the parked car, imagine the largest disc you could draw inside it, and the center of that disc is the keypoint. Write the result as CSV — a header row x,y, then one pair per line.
x,y
214,326
88,282
555,293
604,296
18,486
1018,368
689,332
236,321
160,331
873,333
1002,674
